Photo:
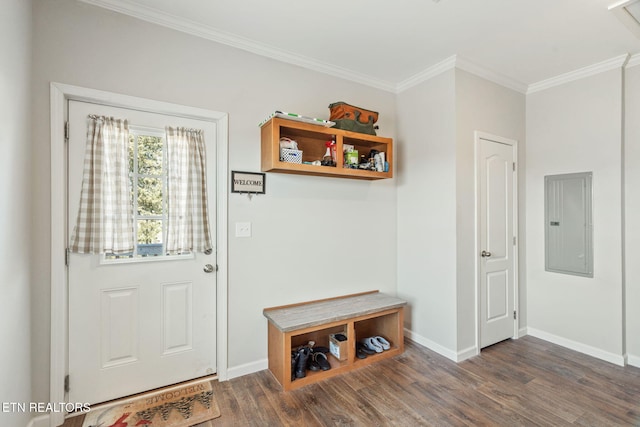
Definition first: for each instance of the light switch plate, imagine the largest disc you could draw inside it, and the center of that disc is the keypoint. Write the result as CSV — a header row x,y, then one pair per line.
x,y
243,229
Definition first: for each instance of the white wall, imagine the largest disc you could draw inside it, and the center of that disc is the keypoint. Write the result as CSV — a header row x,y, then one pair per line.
x,y
576,127
426,167
312,237
16,260
632,208
488,107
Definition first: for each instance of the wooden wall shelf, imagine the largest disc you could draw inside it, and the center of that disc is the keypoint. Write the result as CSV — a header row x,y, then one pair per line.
x,y
311,140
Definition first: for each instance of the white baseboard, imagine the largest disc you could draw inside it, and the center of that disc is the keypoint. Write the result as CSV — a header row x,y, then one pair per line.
x,y
522,332
633,360
441,350
40,421
616,359
247,368
467,353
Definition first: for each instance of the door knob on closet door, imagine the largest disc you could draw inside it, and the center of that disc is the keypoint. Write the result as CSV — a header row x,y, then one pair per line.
x,y
485,254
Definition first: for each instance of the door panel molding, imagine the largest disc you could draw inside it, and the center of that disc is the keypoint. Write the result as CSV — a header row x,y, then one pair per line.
x,y
60,94
120,332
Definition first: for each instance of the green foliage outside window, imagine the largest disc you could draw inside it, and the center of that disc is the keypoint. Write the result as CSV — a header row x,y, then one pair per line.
x,y
150,202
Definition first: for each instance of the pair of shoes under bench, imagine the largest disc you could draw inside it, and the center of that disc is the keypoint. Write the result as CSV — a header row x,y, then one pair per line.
x,y
377,344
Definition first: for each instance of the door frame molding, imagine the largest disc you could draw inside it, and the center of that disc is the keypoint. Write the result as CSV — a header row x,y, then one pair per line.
x,y
477,136
60,94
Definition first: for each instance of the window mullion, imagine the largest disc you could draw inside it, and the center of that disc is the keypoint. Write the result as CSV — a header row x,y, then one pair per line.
x,y
135,193
165,188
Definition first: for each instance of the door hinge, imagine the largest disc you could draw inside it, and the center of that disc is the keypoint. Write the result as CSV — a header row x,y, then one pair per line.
x,y
66,383
514,240
514,166
66,131
514,315
66,256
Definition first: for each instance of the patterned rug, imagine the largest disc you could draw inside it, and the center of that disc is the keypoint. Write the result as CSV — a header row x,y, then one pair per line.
x,y
178,406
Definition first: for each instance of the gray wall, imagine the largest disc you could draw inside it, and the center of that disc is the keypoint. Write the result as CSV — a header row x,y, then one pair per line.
x,y
16,255
313,237
632,212
436,201
427,210
577,127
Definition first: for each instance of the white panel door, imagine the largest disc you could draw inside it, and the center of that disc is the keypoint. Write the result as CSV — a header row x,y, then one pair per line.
x,y
149,321
496,219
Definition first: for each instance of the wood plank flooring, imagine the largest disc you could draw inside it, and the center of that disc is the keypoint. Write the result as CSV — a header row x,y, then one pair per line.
x,y
524,382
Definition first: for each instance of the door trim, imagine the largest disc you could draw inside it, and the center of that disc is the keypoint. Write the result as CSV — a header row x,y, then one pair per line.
x,y
60,94
478,135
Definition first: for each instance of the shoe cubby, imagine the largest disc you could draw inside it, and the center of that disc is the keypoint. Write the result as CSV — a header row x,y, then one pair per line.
x,y
383,325
355,316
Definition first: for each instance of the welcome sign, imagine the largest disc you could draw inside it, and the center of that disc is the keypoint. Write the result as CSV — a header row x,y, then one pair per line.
x,y
247,182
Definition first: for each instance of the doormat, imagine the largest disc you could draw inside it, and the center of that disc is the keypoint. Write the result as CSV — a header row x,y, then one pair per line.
x,y
177,406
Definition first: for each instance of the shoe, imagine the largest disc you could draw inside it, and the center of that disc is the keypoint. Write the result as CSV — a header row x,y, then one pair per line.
x,y
320,359
360,346
361,351
294,363
303,360
384,343
372,344
313,364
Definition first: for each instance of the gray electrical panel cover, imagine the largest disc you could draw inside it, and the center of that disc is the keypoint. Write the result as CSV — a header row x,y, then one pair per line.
x,y
568,224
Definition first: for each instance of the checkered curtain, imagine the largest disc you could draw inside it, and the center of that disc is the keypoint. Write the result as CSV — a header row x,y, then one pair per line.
x,y
188,227
105,219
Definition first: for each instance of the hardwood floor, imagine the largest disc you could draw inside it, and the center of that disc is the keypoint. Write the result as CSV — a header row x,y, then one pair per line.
x,y
517,382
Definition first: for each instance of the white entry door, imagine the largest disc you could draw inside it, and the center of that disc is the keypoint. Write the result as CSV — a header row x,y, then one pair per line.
x,y
144,320
497,243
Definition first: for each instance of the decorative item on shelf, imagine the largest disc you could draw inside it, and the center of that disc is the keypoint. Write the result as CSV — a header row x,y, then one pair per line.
x,y
338,346
352,118
374,162
297,118
290,156
289,151
329,158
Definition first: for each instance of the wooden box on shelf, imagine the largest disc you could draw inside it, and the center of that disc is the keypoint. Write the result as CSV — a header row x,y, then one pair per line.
x,y
312,140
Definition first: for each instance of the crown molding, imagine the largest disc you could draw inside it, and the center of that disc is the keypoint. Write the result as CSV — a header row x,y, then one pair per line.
x,y
427,74
609,64
196,29
493,76
460,63
633,61
199,30
619,9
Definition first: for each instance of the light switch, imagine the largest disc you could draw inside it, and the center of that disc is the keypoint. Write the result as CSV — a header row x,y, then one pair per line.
x,y
243,229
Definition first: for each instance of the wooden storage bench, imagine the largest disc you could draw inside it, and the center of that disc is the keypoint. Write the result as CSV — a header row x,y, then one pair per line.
x,y
356,316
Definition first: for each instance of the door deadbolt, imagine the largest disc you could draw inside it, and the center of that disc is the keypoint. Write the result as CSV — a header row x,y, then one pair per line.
x,y
208,268
485,254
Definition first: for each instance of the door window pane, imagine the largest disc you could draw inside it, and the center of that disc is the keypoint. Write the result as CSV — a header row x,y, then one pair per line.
x,y
150,154
150,196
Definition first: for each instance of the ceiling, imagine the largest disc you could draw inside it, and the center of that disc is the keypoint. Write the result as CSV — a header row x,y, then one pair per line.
x,y
387,44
